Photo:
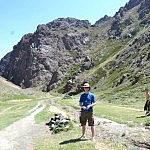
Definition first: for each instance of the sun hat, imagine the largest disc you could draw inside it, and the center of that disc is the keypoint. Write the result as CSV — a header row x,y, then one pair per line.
x,y
86,85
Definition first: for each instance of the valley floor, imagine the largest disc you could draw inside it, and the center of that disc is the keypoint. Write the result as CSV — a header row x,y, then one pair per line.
x,y
22,134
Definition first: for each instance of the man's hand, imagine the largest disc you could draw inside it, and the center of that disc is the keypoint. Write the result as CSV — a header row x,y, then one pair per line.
x,y
88,106
84,108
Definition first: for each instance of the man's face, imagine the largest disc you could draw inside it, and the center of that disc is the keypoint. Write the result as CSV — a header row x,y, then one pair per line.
x,y
86,89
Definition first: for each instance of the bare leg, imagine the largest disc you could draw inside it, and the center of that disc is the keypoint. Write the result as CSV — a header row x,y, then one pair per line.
x,y
83,130
92,130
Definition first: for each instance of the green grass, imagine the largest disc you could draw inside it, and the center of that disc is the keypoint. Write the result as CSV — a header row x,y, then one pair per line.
x,y
13,110
14,97
121,114
44,116
127,110
73,101
65,141
119,106
69,141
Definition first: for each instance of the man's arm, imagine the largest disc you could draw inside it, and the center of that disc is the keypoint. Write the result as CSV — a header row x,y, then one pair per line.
x,y
93,104
80,104
147,95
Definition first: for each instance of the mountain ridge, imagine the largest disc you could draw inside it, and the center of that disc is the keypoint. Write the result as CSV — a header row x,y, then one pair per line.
x,y
66,52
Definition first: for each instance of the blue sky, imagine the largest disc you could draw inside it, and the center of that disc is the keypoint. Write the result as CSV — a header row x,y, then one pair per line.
x,y
19,17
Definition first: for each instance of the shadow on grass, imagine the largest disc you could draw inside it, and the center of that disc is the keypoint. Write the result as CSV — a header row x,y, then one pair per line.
x,y
142,116
72,141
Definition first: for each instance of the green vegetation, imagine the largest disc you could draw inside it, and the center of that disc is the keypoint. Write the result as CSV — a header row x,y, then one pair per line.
x,y
44,116
73,53
60,89
15,97
69,140
65,141
124,108
121,114
123,105
98,74
107,50
13,110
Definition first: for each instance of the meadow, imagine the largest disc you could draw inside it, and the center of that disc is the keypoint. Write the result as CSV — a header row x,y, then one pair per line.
x,y
124,107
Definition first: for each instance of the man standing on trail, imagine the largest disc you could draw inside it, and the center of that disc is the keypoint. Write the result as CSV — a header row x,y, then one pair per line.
x,y
86,102
147,104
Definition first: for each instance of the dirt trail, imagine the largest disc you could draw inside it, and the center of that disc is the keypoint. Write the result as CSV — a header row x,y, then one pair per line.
x,y
137,138
20,135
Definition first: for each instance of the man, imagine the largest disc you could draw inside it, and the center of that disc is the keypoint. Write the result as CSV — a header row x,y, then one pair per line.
x,y
86,102
147,104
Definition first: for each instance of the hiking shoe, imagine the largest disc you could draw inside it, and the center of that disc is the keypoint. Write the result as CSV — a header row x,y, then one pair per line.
x,y
147,113
82,137
93,139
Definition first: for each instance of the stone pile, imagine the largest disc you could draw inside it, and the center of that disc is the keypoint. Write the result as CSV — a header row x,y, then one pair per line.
x,y
58,123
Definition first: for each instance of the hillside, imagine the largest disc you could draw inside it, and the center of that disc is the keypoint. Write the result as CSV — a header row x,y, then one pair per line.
x,y
9,91
112,54
8,87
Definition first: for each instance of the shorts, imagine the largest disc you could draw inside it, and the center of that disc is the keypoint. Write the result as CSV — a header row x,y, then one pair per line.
x,y
86,116
147,105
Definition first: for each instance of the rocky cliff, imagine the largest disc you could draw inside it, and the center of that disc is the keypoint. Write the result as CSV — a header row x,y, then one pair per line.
x,y
53,48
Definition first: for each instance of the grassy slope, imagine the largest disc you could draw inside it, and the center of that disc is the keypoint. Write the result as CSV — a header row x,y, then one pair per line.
x,y
104,52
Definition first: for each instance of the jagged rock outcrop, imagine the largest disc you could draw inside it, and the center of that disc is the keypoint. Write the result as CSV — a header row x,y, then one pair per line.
x,y
37,57
72,87
119,24
101,20
133,3
144,10
74,41
64,23
3,63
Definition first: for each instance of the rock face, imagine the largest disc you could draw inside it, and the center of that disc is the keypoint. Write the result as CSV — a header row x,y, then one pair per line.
x,y
101,20
39,56
65,23
62,50
133,3
144,10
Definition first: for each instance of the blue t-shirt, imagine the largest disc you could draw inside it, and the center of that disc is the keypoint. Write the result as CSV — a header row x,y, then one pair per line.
x,y
87,99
